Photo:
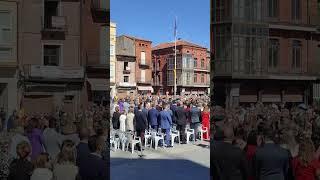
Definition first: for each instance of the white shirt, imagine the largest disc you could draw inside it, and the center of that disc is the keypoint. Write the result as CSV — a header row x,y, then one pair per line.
x,y
122,120
42,174
66,171
52,142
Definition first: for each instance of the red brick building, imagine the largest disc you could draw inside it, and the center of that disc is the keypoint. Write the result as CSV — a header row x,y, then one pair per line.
x,y
141,53
193,68
264,50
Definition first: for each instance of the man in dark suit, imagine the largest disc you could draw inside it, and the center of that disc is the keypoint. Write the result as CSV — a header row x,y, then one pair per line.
x,y
271,161
227,161
195,114
166,123
173,108
181,117
93,166
153,115
140,122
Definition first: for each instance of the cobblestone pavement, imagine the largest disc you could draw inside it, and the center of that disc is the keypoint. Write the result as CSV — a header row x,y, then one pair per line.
x,y
187,162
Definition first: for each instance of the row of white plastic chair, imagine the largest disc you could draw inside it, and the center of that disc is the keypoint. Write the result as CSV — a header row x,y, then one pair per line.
x,y
125,139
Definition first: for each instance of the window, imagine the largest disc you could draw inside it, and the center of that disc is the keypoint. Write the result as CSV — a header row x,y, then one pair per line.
x,y
143,57
125,66
125,78
273,8
5,27
195,78
195,64
143,75
51,55
202,63
273,53
202,78
295,9
296,54
50,9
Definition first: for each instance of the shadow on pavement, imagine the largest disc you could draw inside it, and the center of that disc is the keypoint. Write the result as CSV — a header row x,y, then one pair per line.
x,y
157,169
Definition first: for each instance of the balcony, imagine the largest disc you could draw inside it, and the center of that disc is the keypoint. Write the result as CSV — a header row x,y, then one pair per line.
x,y
99,11
54,28
53,73
126,71
126,84
143,82
144,65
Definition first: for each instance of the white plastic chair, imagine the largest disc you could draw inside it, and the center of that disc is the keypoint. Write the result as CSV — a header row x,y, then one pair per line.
x,y
147,136
156,138
113,143
202,131
174,134
190,132
135,140
123,140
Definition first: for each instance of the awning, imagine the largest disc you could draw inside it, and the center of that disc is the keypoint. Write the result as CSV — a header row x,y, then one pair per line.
x,y
145,88
98,84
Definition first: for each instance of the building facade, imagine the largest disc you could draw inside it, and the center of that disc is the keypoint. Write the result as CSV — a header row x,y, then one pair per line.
x,y
8,56
113,40
264,50
125,67
57,50
193,68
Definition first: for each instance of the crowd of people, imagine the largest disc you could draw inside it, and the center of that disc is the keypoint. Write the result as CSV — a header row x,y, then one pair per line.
x,y
55,147
266,142
140,113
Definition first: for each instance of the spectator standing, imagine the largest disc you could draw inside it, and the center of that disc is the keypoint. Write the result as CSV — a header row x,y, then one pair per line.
x,y
181,117
278,166
35,137
116,119
122,120
42,171
166,123
205,115
129,120
21,168
82,148
195,114
93,167
65,168
52,139
153,116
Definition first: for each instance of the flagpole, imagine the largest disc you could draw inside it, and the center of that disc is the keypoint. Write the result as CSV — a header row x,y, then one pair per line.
x,y
175,58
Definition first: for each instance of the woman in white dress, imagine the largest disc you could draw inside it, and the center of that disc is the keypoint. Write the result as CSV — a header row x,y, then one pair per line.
x,y
129,120
122,120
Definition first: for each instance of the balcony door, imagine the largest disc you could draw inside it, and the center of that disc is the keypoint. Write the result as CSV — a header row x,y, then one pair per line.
x,y
143,75
51,9
143,57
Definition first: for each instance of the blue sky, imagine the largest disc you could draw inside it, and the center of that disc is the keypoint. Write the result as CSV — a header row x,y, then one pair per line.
x,y
154,19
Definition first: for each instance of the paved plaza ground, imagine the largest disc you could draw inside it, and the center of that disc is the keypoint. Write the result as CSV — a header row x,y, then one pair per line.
x,y
187,162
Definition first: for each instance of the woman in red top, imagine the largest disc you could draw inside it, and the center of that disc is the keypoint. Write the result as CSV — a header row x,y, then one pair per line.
x,y
206,121
305,165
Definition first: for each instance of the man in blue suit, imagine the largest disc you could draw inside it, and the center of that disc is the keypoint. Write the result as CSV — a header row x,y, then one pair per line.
x,y
166,123
153,115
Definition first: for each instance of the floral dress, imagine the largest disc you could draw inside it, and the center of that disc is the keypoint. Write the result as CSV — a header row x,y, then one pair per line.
x,y
5,159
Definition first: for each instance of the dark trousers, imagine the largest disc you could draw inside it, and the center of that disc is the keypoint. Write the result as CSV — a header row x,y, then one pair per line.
x,y
182,129
155,127
167,139
140,133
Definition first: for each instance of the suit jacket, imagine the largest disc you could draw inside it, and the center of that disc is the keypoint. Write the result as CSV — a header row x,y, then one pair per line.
x,y
153,117
140,121
271,162
228,162
195,115
115,120
173,108
181,116
165,120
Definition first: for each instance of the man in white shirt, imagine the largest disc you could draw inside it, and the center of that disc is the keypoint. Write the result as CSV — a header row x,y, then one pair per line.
x,y
52,139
